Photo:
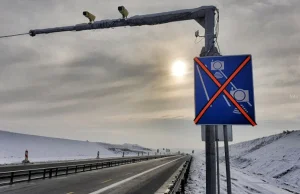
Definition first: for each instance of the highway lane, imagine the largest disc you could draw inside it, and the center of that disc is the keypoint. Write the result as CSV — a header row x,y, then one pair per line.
x,y
93,181
7,168
149,183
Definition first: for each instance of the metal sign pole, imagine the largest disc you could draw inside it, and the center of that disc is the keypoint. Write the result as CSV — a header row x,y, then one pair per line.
x,y
210,154
228,178
218,167
210,148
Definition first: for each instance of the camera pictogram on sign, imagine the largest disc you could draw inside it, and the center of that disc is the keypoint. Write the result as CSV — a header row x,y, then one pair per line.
x,y
217,65
215,83
240,95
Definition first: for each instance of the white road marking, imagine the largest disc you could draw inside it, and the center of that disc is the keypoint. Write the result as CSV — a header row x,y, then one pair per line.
x,y
107,181
130,178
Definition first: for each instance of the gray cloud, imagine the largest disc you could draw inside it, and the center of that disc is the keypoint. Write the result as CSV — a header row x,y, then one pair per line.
x,y
125,72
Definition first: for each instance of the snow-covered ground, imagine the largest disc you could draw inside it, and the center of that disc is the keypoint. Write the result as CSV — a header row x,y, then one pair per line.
x,y
128,149
43,149
268,165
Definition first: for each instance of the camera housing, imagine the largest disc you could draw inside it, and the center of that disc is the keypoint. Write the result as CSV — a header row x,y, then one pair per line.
x,y
90,16
123,11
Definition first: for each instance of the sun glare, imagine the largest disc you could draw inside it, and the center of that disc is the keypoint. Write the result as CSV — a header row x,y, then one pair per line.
x,y
178,68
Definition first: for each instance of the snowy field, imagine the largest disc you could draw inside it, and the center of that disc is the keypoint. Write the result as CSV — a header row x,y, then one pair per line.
x,y
268,165
44,149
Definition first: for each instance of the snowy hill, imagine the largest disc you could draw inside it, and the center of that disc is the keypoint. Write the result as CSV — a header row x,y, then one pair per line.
x,y
268,165
127,148
276,158
136,147
13,146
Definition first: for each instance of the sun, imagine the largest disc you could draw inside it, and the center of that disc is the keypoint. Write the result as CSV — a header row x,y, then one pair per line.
x,y
178,68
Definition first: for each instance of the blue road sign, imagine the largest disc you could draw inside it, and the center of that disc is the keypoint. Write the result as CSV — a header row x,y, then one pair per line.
x,y
224,92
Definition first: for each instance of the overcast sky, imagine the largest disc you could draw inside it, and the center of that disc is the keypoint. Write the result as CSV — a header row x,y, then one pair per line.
x,y
115,85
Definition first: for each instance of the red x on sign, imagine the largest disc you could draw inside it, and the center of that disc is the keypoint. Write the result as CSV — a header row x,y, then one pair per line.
x,y
222,88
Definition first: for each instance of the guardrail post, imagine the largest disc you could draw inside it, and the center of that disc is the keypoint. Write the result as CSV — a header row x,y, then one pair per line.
x,y
12,178
29,175
185,177
67,170
83,168
44,174
50,173
76,168
182,185
56,171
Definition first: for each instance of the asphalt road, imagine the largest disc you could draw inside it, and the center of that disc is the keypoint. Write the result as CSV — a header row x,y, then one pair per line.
x,y
137,178
8,168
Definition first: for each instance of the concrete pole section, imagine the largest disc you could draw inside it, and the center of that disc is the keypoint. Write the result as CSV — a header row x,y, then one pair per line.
x,y
210,146
228,177
218,166
210,155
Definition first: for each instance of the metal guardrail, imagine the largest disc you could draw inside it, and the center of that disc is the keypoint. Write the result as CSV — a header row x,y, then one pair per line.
x,y
177,187
11,177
